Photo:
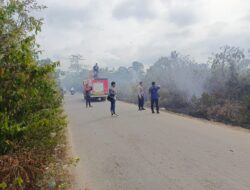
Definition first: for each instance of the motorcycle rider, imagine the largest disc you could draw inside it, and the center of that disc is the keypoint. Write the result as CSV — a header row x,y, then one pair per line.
x,y
72,90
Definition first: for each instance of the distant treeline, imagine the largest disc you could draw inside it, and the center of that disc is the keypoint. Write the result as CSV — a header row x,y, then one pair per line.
x,y
218,90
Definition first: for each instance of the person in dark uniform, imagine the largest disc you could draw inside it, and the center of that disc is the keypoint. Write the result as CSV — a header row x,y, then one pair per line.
x,y
153,91
87,93
96,71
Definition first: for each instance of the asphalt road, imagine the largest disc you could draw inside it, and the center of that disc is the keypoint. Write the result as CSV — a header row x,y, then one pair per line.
x,y
144,151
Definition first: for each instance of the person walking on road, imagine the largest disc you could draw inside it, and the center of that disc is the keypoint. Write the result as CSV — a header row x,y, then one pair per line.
x,y
87,92
153,90
140,92
112,98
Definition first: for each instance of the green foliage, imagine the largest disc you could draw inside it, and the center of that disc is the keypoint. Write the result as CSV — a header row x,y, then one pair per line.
x,y
19,181
3,186
29,99
31,119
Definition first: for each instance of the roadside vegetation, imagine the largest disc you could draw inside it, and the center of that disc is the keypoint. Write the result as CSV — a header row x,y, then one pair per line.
x,y
217,90
32,124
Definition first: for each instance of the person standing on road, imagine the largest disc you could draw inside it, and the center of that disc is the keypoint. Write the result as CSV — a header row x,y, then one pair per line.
x,y
112,98
87,92
153,90
140,92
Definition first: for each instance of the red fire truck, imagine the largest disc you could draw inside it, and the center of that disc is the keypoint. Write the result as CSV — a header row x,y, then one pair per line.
x,y
99,88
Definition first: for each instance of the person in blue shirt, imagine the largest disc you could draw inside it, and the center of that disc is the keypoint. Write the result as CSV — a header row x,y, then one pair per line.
x,y
154,93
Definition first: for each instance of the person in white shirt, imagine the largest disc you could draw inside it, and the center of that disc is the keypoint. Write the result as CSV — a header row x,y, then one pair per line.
x,y
140,92
112,98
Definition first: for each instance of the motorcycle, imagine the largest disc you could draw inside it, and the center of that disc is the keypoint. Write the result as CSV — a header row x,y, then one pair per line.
x,y
72,91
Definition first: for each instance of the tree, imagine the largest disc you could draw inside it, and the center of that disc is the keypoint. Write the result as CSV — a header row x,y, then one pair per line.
x,y
30,103
138,67
225,70
28,90
179,73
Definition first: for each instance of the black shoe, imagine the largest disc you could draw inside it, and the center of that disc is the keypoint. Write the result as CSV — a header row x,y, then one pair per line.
x,y
153,112
143,109
158,112
139,109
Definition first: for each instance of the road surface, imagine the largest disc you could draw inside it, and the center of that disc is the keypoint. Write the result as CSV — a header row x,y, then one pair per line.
x,y
144,151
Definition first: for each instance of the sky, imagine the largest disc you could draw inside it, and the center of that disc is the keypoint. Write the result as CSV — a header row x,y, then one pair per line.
x,y
115,33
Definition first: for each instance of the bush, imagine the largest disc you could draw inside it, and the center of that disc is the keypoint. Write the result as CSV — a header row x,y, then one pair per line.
x,y
24,167
173,99
229,112
31,119
245,111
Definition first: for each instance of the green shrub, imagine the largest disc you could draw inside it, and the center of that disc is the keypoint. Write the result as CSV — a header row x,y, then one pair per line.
x,y
31,119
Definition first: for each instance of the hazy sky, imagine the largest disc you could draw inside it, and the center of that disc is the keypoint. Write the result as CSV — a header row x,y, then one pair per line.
x,y
117,32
